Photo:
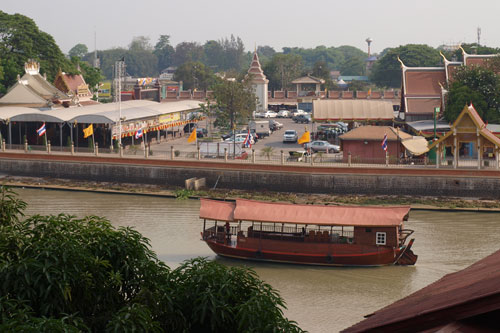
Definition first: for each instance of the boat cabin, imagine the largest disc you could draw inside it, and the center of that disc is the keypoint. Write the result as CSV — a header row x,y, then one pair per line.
x,y
296,233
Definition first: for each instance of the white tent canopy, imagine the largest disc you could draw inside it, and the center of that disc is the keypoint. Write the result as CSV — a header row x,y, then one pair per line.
x,y
99,113
360,110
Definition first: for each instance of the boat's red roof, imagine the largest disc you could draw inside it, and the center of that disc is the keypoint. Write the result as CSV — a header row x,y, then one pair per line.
x,y
217,210
250,210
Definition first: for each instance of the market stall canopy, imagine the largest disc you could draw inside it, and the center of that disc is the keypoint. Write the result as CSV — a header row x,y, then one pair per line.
x,y
258,211
361,110
98,114
416,145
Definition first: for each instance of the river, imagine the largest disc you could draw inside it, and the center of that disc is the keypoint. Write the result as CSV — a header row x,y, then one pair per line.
x,y
320,299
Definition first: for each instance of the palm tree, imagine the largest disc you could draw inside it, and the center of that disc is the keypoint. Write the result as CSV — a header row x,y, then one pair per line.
x,y
267,151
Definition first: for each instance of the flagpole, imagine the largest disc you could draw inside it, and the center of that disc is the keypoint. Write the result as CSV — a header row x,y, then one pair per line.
x,y
46,141
93,140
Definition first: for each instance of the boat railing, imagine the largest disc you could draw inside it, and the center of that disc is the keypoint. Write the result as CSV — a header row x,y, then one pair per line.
x,y
403,235
300,235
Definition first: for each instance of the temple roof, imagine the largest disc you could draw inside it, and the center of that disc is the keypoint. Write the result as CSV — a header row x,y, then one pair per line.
x,y
256,71
470,111
32,90
308,80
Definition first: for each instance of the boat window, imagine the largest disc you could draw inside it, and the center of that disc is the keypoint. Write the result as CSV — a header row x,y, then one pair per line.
x,y
381,238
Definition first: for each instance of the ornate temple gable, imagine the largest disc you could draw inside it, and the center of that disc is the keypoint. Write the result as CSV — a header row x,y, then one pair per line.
x,y
32,67
469,121
256,71
450,67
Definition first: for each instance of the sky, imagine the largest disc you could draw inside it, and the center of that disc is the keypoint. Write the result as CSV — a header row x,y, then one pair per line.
x,y
277,23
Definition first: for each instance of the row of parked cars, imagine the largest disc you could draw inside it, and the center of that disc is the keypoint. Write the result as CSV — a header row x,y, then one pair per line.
x,y
280,114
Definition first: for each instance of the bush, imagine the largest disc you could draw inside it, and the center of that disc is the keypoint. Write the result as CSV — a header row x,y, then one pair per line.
x,y
63,274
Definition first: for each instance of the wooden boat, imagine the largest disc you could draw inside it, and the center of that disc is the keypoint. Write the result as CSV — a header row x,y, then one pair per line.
x,y
307,234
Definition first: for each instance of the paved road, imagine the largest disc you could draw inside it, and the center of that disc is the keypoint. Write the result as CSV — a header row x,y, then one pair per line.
x,y
275,140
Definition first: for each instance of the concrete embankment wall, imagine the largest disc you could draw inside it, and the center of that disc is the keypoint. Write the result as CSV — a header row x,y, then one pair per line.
x,y
312,179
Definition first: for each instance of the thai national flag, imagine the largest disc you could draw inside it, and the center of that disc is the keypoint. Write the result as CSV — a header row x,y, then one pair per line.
x,y
384,143
41,131
138,134
248,140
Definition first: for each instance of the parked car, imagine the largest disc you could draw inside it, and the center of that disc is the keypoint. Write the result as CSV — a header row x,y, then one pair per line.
x,y
284,114
322,146
239,138
275,125
269,114
188,128
290,136
258,114
303,119
201,132
298,112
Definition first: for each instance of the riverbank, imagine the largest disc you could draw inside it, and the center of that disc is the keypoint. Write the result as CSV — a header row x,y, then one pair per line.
x,y
416,202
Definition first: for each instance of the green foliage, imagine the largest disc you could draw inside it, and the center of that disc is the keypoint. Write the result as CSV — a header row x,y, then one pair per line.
x,y
164,52
79,51
235,101
476,85
282,70
214,298
267,152
195,75
21,40
472,48
386,72
64,274
11,207
183,194
187,52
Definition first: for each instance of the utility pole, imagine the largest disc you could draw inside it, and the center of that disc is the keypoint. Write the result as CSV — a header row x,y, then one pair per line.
x,y
119,71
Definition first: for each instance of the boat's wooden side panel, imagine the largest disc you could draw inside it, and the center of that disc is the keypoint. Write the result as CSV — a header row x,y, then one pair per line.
x,y
380,256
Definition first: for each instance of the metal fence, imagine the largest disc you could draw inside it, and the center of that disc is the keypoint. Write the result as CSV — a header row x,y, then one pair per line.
x,y
263,156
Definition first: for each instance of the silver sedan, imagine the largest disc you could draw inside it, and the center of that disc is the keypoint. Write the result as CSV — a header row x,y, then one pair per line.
x,y
322,146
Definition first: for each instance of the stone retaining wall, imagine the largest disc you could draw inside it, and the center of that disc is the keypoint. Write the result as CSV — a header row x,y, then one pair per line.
x,y
314,180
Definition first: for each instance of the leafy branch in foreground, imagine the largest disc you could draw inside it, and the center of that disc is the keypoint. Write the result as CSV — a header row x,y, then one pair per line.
x,y
65,274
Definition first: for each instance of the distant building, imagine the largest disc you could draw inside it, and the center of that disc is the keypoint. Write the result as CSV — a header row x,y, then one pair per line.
x,y
34,91
423,88
74,85
259,83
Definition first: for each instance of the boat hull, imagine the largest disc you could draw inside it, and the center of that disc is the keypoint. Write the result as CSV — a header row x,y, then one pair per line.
x,y
325,254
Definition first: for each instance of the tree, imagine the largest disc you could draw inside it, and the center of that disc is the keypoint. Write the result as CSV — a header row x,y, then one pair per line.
x,y
79,51
164,52
282,70
477,85
187,51
236,101
214,55
140,43
21,40
386,72
60,273
194,75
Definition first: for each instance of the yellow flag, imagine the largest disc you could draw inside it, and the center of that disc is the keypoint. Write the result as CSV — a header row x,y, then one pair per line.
x,y
88,131
305,138
369,92
192,136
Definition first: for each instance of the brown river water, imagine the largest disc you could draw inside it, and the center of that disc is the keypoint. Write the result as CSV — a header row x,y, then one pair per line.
x,y
320,299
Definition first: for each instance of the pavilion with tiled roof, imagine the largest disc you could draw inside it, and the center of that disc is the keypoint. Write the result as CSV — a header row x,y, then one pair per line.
x,y
74,85
468,143
308,80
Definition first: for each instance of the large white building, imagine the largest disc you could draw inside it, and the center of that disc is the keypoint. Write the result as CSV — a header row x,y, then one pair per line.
x,y
259,83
